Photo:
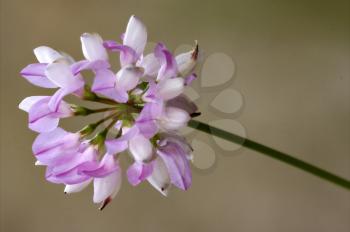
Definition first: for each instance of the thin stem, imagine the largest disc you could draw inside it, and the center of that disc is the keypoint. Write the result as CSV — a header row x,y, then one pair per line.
x,y
102,110
286,158
102,100
106,118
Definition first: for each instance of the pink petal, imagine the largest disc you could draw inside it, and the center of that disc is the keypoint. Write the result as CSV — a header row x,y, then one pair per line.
x,y
35,74
138,172
106,167
150,64
127,54
89,65
61,75
28,102
168,67
183,102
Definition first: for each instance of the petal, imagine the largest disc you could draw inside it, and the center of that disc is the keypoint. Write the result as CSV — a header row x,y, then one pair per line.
x,y
147,128
56,99
42,119
71,177
189,79
115,146
35,74
150,64
49,147
46,54
159,178
138,172
93,49
127,54
151,111
168,67
106,187
61,75
141,148
187,61
44,124
74,188
89,65
170,88
28,102
183,102
106,167
135,35
104,83
178,168
128,78
104,78
46,140
174,118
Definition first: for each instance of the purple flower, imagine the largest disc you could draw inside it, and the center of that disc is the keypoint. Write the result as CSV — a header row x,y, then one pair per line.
x,y
175,153
74,163
144,103
41,118
53,71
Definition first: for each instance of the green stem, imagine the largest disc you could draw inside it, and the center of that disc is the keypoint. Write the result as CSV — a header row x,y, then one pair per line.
x,y
286,158
83,111
89,129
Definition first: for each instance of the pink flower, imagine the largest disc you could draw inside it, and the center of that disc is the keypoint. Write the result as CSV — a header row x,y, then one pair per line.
x,y
146,105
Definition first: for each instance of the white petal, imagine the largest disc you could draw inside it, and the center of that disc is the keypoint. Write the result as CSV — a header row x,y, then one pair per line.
x,y
140,148
46,54
28,102
186,62
128,78
107,186
61,75
174,118
74,188
159,178
135,35
150,64
92,46
170,88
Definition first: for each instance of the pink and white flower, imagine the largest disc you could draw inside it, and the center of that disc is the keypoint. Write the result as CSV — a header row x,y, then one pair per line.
x,y
147,106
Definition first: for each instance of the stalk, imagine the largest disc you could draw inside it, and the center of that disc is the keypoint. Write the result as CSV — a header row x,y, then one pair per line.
x,y
271,152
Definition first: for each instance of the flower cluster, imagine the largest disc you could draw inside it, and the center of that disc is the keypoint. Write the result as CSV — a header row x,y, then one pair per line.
x,y
146,105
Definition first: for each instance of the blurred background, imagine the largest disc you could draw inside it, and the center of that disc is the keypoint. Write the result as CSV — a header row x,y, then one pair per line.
x,y
290,62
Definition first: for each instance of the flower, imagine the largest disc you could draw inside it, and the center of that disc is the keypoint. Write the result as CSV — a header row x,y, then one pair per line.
x,y
147,107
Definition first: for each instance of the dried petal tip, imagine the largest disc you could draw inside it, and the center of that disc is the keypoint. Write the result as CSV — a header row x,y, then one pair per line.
x,y
196,114
195,51
105,203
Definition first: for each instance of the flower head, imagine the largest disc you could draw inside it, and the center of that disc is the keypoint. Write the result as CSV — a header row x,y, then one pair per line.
x,y
146,105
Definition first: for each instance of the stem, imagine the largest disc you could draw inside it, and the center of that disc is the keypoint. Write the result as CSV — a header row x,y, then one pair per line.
x,y
83,111
102,100
271,153
106,118
102,110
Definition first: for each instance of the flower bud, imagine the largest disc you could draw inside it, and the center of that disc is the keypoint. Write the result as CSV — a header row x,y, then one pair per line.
x,y
186,62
